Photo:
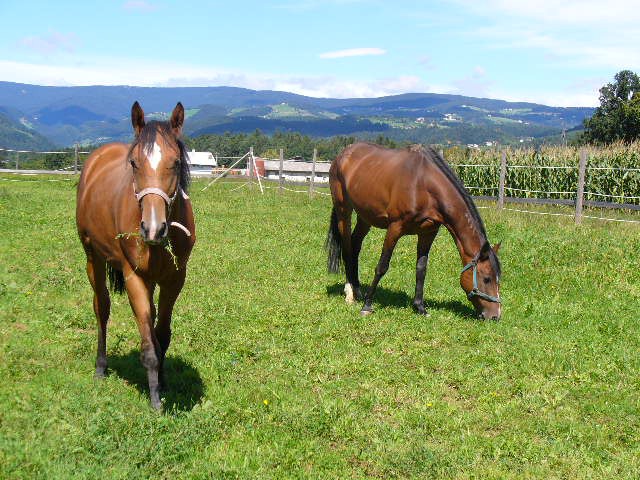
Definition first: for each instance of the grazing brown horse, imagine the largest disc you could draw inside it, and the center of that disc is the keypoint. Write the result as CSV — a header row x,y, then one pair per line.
x,y
136,225
408,192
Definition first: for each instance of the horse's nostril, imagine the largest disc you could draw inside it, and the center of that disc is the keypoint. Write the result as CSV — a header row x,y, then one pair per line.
x,y
162,231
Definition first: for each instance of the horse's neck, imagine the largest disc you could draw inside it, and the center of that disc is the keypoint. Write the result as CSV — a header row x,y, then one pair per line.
x,y
466,232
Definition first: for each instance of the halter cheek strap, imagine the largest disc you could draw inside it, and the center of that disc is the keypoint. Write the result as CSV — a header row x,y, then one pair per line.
x,y
475,291
168,200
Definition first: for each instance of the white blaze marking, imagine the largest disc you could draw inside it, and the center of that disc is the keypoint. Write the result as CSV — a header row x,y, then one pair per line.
x,y
348,292
153,223
155,157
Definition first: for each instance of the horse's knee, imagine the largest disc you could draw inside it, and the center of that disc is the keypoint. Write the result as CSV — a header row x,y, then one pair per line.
x,y
149,358
382,268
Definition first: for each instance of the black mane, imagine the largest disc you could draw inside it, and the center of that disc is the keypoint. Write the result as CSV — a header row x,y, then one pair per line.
x,y
147,138
448,172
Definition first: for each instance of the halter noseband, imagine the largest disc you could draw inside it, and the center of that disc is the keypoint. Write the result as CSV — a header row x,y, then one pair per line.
x,y
475,291
167,199
156,191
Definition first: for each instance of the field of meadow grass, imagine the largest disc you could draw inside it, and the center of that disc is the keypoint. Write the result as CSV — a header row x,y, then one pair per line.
x,y
272,375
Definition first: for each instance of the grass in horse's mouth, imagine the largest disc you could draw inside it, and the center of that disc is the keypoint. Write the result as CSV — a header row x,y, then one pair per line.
x,y
166,244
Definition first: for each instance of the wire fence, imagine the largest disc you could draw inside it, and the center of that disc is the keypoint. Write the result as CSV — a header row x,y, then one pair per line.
x,y
69,160
587,183
581,185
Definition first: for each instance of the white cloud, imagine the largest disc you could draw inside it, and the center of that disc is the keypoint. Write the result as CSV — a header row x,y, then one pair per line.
x,y
139,6
567,12
353,52
51,43
122,72
583,33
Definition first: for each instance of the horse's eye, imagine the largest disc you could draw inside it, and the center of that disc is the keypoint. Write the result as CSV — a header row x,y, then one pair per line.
x,y
133,163
486,280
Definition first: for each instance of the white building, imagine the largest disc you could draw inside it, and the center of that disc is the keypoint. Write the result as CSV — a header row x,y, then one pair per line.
x,y
202,160
296,171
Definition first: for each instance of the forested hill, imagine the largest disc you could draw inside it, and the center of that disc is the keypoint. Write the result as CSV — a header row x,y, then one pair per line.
x,y
17,136
97,114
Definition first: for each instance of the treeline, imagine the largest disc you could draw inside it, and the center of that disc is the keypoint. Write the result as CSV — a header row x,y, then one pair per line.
x,y
40,161
294,144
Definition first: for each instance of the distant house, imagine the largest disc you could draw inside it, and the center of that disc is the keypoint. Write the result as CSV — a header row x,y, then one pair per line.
x,y
202,160
294,171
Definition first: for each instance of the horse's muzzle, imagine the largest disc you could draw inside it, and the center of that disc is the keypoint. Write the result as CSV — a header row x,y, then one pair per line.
x,y
490,314
154,234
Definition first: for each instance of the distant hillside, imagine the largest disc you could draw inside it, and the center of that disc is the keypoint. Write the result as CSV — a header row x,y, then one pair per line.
x,y
98,113
15,135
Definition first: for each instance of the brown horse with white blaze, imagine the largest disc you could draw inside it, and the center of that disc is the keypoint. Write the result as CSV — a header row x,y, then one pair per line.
x,y
135,222
408,192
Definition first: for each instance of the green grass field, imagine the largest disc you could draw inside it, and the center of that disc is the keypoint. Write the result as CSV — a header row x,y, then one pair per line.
x,y
272,375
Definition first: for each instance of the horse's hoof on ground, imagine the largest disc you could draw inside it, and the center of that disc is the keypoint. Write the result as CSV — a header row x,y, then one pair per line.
x,y
364,312
349,300
157,405
100,374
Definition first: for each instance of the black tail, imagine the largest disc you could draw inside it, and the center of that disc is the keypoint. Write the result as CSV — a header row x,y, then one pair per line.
x,y
333,244
116,279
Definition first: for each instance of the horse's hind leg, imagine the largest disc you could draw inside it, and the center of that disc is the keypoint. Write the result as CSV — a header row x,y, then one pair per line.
x,y
425,240
394,232
359,232
168,295
96,271
344,227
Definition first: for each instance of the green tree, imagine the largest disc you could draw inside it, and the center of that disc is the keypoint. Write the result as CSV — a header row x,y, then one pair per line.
x,y
618,116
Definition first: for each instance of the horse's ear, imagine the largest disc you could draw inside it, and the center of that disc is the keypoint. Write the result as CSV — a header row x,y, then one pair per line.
x,y
484,251
137,118
496,247
177,119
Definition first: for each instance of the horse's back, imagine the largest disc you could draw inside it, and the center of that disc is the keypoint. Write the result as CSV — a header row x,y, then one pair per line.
x,y
103,162
101,180
379,182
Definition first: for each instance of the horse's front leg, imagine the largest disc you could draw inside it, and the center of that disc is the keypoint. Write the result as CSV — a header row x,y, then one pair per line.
x,y
138,292
425,240
169,292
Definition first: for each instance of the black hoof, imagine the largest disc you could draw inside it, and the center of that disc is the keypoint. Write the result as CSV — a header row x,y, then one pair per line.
x,y
100,373
421,310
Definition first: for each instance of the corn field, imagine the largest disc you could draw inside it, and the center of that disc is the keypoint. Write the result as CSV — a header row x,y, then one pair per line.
x,y
612,175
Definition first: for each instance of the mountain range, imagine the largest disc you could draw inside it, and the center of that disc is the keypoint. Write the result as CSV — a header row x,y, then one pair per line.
x,y
41,116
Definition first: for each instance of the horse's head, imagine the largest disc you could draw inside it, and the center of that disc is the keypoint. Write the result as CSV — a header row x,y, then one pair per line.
x,y
158,160
480,278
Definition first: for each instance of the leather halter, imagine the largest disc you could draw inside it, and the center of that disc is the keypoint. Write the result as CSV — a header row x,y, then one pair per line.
x,y
167,199
475,291
156,191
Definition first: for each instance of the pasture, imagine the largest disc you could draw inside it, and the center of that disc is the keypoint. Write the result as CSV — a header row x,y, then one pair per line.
x,y
272,375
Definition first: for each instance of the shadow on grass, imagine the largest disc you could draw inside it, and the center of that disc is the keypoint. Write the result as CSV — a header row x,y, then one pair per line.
x,y
184,387
396,298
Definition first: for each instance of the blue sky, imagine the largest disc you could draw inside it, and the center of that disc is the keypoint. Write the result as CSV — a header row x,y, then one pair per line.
x,y
557,53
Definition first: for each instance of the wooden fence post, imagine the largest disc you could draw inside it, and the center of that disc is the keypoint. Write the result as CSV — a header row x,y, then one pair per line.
x,y
281,175
75,159
313,173
582,168
503,176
